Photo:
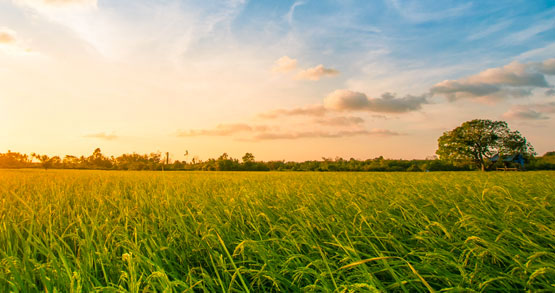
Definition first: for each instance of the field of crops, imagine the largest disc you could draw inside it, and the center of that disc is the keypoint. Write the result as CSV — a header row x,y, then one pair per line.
x,y
231,231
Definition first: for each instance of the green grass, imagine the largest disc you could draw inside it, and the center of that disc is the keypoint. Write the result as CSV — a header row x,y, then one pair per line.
x,y
177,231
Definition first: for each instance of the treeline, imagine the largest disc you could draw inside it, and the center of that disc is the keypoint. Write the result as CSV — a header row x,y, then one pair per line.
x,y
155,161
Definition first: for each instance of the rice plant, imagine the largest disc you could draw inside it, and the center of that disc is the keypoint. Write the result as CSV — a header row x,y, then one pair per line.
x,y
72,231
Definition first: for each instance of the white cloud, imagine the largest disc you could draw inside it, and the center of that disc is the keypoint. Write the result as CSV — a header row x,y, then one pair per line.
x,y
513,74
173,28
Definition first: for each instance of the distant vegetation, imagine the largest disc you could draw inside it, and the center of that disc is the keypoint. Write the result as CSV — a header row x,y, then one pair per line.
x,y
156,162
472,146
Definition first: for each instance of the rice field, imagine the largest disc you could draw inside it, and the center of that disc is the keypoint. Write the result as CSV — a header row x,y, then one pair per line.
x,y
111,231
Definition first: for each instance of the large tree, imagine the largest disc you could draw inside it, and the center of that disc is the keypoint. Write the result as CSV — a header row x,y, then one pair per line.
x,y
479,140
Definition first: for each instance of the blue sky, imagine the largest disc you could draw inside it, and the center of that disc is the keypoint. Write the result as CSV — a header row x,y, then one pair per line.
x,y
283,79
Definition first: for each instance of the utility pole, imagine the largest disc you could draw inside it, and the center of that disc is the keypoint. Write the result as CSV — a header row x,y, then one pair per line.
x,y
167,158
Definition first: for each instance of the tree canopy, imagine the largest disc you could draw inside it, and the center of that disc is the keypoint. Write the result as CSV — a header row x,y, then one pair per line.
x,y
479,140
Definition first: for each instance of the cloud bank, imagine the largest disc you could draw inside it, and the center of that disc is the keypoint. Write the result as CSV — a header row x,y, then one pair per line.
x,y
546,67
513,80
510,81
347,100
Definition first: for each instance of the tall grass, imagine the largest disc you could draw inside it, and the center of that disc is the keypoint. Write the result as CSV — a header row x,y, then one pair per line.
x,y
153,231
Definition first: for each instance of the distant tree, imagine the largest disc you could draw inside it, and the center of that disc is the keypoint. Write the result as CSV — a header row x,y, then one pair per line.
x,y
226,163
249,164
70,162
98,161
248,158
46,161
13,160
479,140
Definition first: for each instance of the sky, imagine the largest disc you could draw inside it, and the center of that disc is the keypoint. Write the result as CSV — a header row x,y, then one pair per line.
x,y
284,80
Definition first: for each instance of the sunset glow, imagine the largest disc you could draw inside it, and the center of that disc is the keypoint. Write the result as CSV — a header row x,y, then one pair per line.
x,y
293,80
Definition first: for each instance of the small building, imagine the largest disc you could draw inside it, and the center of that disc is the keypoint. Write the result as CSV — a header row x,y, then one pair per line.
x,y
510,162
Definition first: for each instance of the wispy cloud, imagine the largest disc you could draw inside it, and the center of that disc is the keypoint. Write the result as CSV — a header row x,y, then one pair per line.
x,y
415,12
524,113
489,30
538,53
285,64
118,30
245,132
537,111
70,2
7,36
10,43
317,110
289,15
525,34
315,73
222,130
103,136
323,134
46,4
340,121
